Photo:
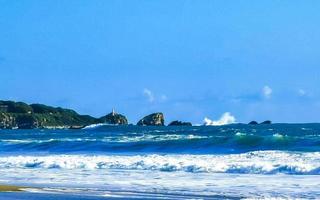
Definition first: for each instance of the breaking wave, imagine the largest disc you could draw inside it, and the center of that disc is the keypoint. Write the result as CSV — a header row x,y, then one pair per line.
x,y
225,119
258,162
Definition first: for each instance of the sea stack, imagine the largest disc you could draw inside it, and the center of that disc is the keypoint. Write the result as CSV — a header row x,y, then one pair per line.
x,y
180,123
253,123
155,119
266,122
114,119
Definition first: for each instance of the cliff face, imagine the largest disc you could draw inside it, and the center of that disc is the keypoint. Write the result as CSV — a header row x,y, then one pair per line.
x,y
24,116
155,119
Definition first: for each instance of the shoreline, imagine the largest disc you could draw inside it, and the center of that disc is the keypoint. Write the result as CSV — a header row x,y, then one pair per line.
x,y
11,188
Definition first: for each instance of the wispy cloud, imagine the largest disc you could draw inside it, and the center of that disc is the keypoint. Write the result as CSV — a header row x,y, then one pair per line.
x,y
226,118
267,92
152,97
302,92
149,95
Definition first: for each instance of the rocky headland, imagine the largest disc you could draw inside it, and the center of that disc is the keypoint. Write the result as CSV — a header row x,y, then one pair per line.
x,y
23,116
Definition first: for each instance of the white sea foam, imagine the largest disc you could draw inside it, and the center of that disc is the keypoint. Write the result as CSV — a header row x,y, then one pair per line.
x,y
92,126
225,119
117,138
278,135
240,134
259,162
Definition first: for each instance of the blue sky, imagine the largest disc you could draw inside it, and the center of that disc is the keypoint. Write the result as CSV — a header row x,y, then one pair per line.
x,y
190,59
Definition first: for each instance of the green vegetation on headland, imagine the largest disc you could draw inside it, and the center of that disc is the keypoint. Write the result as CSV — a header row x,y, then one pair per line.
x,y
23,116
19,115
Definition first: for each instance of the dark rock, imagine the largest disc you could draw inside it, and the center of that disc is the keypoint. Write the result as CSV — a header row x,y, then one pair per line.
x,y
155,119
26,121
180,123
253,123
267,122
114,118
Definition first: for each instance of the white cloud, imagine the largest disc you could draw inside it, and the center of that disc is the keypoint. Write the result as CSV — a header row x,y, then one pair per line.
x,y
154,98
267,92
149,95
226,118
302,92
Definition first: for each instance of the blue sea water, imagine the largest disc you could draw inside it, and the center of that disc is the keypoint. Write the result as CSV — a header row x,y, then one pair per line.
x,y
200,162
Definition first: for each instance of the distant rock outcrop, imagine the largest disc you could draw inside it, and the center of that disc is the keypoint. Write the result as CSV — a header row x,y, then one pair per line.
x,y
155,119
266,122
180,123
253,123
114,118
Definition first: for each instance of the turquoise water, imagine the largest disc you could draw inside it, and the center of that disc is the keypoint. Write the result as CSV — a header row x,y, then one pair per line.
x,y
234,161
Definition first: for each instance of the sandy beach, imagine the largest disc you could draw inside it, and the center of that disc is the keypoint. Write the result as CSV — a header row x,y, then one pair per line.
x,y
10,188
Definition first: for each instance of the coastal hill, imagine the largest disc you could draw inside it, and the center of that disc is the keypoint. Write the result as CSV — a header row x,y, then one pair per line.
x,y
23,116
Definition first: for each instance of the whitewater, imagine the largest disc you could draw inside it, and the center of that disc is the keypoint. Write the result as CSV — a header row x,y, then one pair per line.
x,y
205,162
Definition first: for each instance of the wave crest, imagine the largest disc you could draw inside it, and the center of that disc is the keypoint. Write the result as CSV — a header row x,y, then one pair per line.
x,y
225,119
259,162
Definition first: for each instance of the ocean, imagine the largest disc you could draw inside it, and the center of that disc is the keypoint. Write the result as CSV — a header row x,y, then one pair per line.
x,y
132,162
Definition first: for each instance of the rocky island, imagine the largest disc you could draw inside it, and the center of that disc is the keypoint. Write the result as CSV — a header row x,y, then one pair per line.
x,y
114,118
180,123
253,123
155,119
267,122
